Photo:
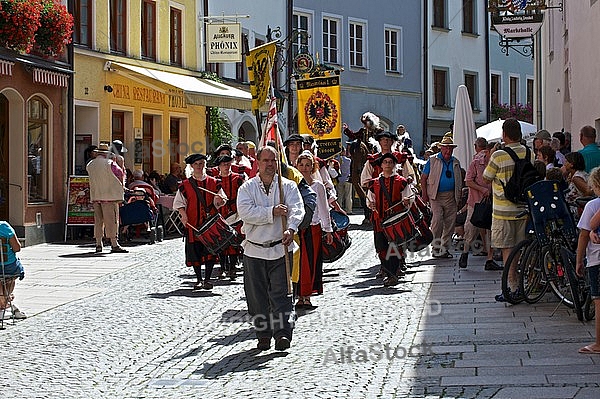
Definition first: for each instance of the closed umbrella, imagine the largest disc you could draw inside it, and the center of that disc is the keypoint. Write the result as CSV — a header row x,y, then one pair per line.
x,y
493,130
464,127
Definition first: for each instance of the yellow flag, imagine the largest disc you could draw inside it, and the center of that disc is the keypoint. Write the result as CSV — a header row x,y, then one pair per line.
x,y
319,112
260,62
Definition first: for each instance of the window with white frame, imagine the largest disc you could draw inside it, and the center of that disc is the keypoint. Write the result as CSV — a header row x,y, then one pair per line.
x,y
513,91
331,40
469,17
439,14
472,88
440,87
301,25
393,50
357,31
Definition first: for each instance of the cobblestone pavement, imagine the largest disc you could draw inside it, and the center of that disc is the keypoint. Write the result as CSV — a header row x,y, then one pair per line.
x,y
135,329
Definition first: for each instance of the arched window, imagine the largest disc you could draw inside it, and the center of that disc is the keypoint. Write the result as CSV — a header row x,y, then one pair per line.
x,y
37,150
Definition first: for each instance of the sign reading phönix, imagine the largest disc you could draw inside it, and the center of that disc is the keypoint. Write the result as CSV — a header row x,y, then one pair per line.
x,y
224,42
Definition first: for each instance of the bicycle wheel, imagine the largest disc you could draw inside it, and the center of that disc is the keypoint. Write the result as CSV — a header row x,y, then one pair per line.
x,y
589,309
578,295
558,279
515,262
533,281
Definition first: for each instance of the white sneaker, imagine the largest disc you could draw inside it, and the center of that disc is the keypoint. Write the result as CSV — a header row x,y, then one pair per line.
x,y
18,314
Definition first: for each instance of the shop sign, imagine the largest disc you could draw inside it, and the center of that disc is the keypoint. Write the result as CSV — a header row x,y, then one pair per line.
x,y
224,43
518,26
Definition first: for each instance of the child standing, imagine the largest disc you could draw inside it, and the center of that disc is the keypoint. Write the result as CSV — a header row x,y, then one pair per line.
x,y
589,250
10,268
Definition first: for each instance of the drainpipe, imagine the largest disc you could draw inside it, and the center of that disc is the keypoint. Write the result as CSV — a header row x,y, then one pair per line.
x,y
488,103
425,90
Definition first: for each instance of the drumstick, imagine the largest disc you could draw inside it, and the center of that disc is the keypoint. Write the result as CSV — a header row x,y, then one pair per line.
x,y
208,191
193,228
393,206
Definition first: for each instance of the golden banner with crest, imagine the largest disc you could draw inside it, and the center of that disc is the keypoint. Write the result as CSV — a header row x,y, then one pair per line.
x,y
260,62
319,112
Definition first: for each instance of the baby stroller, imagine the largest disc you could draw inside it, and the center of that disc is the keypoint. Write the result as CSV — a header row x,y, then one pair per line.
x,y
139,216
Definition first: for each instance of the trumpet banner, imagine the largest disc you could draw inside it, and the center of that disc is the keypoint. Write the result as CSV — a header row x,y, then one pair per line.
x,y
260,62
319,112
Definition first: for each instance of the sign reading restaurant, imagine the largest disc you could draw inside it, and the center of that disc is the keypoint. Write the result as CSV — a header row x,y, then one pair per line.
x,y
224,43
518,26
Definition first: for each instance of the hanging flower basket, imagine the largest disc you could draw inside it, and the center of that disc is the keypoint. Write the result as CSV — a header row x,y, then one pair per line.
x,y
55,30
19,20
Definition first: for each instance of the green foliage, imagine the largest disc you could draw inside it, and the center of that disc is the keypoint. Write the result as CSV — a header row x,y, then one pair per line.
x,y
219,130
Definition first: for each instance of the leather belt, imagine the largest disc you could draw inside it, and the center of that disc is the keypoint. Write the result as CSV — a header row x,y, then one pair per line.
x,y
266,244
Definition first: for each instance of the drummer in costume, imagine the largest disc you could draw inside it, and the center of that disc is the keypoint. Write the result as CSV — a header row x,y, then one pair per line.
x,y
226,149
230,183
195,207
372,170
310,279
387,195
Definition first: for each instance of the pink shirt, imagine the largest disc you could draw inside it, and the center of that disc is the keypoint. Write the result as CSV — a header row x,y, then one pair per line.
x,y
475,174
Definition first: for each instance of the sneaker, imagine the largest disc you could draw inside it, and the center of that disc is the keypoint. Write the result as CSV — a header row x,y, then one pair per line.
x,y
513,295
491,265
282,343
264,344
118,250
464,258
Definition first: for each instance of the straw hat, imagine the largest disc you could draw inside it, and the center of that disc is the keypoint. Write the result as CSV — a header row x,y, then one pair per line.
x,y
447,142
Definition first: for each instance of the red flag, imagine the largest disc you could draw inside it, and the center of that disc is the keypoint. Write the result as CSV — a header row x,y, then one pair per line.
x,y
270,132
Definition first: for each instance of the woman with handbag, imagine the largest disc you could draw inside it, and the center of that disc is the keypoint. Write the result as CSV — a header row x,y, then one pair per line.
x,y
479,191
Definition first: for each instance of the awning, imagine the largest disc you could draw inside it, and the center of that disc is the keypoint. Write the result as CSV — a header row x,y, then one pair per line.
x,y
50,78
197,91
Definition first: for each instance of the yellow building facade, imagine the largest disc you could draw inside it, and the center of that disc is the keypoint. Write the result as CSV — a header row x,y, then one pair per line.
x,y
137,79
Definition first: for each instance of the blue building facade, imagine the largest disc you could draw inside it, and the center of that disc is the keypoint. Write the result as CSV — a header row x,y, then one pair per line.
x,y
378,49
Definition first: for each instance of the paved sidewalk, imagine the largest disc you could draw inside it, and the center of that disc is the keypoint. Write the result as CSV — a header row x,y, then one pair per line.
x,y
130,326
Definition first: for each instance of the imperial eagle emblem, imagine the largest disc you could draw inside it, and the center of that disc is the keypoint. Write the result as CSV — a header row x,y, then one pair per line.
x,y
321,113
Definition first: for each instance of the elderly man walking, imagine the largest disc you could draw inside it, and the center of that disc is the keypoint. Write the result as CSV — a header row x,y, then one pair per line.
x,y
441,183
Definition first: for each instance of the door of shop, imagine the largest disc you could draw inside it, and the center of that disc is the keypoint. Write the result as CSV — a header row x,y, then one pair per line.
x,y
3,157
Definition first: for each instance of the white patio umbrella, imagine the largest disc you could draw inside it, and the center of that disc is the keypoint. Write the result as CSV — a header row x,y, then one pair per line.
x,y
464,128
493,130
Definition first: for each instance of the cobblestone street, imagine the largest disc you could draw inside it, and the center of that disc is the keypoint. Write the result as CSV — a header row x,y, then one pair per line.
x,y
130,326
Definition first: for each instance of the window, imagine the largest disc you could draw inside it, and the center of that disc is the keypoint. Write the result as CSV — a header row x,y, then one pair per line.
x,y
301,25
147,138
513,91
174,138
393,50
176,35
471,84
530,89
331,36
37,150
149,29
82,18
439,13
469,17
118,126
118,26
439,88
495,89
357,33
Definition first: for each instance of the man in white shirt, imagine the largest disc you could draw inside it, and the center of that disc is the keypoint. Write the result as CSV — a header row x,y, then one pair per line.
x,y
265,279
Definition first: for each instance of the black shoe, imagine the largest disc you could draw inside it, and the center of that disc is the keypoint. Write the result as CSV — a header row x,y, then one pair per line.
x,y
282,343
464,258
119,250
264,344
491,265
98,249
390,281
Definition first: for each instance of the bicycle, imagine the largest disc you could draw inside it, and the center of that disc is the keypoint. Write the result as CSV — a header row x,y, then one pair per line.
x,y
546,260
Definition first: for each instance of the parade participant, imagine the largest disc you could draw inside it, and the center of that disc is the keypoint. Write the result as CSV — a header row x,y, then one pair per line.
x,y
311,239
230,183
371,169
370,129
226,149
106,194
386,195
262,203
442,187
244,148
195,206
344,184
293,147
322,174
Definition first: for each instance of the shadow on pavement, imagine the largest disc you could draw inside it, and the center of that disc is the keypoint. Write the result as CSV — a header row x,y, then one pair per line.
x,y
238,336
85,255
380,290
252,359
184,293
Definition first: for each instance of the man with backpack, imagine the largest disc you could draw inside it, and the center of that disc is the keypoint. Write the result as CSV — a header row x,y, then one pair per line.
x,y
507,170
